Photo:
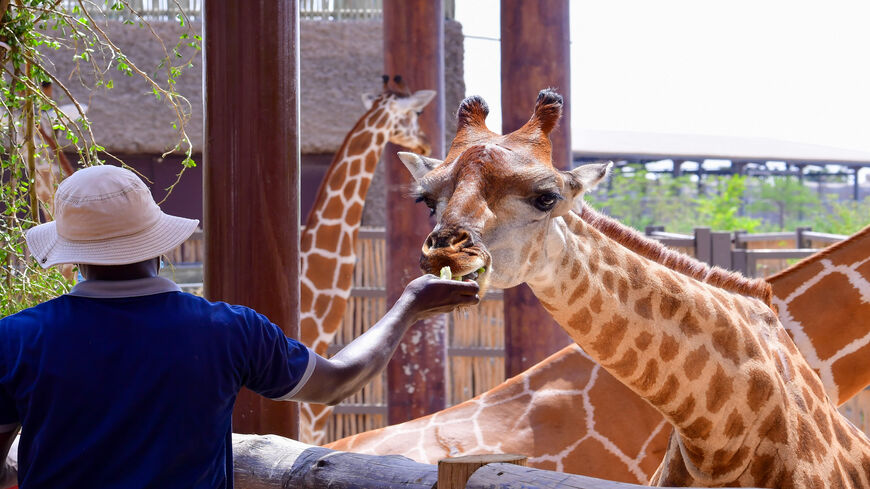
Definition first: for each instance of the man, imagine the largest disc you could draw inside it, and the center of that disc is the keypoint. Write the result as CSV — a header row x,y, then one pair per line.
x,y
128,382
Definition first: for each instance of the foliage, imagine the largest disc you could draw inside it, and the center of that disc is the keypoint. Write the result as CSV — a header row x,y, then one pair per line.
x,y
846,218
639,199
29,29
721,211
788,197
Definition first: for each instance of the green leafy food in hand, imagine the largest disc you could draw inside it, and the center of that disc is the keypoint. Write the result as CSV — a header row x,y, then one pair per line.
x,y
446,273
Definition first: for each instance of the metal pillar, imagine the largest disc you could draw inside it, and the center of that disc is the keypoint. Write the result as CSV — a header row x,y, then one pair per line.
x,y
531,61
251,175
414,49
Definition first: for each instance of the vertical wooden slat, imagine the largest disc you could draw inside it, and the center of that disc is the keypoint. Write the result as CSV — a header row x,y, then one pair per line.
x,y
251,176
531,61
414,49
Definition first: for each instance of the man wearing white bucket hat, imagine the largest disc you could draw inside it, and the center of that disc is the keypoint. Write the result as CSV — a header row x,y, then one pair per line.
x,y
128,382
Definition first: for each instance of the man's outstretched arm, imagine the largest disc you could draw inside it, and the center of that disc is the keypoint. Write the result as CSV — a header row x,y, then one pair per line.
x,y
357,363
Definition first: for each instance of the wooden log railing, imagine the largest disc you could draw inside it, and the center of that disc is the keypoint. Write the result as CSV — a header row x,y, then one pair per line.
x,y
273,462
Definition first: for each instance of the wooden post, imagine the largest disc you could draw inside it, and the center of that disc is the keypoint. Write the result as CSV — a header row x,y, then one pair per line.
x,y
703,251
530,62
251,175
720,244
414,49
453,473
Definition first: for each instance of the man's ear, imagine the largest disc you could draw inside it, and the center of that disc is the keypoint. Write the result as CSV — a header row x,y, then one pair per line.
x,y
368,100
586,177
418,165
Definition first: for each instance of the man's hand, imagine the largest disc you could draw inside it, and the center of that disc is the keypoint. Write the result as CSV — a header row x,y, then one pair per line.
x,y
357,363
429,295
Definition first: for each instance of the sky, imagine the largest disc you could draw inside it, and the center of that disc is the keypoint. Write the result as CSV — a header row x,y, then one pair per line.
x,y
796,71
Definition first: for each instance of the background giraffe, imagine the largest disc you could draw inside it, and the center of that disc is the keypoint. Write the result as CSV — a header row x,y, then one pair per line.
x,y
701,345
622,437
328,242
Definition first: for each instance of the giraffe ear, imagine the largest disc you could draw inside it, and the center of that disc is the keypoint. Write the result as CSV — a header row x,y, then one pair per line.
x,y
418,100
418,165
586,177
368,99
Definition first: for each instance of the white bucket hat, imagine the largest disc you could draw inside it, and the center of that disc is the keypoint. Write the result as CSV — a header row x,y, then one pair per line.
x,y
105,215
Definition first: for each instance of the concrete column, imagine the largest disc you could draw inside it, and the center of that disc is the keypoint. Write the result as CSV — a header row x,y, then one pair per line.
x,y
535,54
414,49
251,175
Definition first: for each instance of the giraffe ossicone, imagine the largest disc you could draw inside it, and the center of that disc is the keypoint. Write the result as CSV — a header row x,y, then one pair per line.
x,y
701,345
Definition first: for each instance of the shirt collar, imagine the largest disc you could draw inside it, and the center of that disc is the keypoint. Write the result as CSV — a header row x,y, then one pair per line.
x,y
114,289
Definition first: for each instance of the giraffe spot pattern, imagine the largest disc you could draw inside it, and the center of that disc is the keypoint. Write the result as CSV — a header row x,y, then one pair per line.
x,y
623,290
683,411
812,380
667,392
579,291
643,307
762,469
668,306
734,425
636,275
610,337
643,340
851,471
609,256
371,161
626,365
821,419
668,348
760,389
592,262
648,377
774,427
842,437
581,321
596,302
689,325
808,443
575,271
607,280
321,281
338,178
719,390
726,342
725,461
695,362
699,429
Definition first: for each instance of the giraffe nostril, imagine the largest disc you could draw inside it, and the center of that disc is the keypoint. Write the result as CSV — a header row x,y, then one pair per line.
x,y
460,240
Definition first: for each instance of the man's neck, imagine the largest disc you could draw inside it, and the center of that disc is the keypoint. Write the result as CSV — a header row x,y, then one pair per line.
x,y
143,269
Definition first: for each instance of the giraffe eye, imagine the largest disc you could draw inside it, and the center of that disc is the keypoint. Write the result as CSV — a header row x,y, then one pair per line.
x,y
431,204
545,202
419,112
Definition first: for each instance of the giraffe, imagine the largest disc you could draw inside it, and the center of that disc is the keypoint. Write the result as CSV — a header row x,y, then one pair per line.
x,y
328,242
537,404
701,345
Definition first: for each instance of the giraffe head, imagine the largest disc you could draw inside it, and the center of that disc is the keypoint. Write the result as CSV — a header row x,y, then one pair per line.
x,y
401,110
495,196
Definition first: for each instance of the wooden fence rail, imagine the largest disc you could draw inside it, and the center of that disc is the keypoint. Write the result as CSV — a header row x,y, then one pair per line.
x,y
743,252
273,462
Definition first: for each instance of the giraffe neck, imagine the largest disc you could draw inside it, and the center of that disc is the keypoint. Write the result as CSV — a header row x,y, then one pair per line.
x,y
686,347
328,243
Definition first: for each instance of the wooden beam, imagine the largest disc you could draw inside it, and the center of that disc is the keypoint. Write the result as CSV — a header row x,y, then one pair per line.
x,y
531,62
251,175
454,472
413,48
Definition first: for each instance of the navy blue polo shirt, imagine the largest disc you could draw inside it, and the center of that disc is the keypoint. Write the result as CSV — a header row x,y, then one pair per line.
x,y
131,384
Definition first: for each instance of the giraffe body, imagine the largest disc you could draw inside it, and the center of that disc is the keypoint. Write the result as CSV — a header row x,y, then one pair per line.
x,y
328,242
605,445
702,346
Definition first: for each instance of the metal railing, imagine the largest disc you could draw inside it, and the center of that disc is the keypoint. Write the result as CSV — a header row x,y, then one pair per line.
x,y
149,10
